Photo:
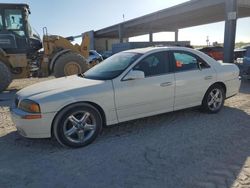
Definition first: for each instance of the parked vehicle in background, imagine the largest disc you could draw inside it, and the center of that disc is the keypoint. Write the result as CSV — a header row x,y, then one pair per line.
x,y
106,54
247,53
246,63
239,53
20,49
94,57
215,52
128,85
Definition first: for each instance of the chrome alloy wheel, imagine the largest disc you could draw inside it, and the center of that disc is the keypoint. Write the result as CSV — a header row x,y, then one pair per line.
x,y
79,127
215,99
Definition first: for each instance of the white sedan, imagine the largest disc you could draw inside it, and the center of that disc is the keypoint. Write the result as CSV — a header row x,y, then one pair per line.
x,y
129,85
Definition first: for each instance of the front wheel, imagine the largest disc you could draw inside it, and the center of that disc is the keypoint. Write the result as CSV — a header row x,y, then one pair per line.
x,y
214,99
77,125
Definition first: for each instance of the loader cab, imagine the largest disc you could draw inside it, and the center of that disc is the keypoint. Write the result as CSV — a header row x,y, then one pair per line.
x,y
16,34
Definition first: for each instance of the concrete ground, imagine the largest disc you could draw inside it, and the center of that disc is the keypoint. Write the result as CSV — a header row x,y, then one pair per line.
x,y
184,149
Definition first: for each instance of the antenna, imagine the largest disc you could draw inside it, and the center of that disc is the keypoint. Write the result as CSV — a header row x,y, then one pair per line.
x,y
207,41
123,17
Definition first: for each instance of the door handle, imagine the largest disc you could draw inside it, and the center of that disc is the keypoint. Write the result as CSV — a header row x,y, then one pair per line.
x,y
165,84
208,77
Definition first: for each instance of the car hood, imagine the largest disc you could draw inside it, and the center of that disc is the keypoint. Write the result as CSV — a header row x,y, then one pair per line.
x,y
57,86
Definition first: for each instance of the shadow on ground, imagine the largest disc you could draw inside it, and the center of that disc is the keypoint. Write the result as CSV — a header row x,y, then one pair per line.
x,y
245,86
181,149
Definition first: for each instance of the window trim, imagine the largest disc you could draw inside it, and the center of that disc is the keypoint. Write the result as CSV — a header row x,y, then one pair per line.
x,y
172,59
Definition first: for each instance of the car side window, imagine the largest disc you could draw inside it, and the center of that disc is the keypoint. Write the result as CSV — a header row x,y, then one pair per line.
x,y
154,64
185,62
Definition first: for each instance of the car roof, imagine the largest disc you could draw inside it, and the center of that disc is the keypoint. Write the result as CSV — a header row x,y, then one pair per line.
x,y
155,49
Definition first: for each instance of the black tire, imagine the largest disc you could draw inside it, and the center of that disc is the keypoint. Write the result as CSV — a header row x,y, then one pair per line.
x,y
214,104
69,59
5,76
63,125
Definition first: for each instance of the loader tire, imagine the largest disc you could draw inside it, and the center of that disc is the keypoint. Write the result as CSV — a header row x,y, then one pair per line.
x,y
5,76
69,64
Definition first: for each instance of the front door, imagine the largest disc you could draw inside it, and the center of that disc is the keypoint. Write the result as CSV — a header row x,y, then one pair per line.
x,y
148,96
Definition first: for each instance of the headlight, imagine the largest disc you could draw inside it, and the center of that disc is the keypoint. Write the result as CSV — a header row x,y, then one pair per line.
x,y
29,106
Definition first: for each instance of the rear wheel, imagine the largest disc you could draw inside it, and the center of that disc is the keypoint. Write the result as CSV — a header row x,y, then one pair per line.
x,y
77,125
5,76
214,99
69,64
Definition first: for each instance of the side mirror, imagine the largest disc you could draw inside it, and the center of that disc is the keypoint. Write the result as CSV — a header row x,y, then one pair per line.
x,y
134,75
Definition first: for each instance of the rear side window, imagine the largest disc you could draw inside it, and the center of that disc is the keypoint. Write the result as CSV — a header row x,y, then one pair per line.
x,y
154,64
185,61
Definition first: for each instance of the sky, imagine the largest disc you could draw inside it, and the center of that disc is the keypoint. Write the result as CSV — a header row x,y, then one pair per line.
x,y
73,17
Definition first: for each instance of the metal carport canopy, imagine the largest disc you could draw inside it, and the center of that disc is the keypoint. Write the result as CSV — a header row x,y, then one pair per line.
x,y
188,14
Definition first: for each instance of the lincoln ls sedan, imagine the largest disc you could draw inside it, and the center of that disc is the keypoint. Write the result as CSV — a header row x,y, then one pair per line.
x,y
128,85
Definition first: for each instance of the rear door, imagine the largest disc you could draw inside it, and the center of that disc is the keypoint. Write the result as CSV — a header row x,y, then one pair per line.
x,y
193,77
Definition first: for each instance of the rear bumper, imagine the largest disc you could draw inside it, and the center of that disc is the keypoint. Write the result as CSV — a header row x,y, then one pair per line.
x,y
32,128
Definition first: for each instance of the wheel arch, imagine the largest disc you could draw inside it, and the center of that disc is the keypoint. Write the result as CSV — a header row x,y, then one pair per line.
x,y
95,105
220,84
214,84
55,57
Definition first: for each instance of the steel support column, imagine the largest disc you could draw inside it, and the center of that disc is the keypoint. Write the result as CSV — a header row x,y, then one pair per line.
x,y
92,40
230,30
150,37
176,35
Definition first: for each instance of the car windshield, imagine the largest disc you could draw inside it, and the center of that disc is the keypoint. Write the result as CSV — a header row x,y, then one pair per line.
x,y
112,67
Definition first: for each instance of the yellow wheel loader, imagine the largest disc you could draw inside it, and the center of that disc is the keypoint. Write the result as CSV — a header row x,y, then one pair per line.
x,y
20,49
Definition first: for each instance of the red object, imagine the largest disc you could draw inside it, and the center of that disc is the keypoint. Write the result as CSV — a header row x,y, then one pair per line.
x,y
179,64
215,52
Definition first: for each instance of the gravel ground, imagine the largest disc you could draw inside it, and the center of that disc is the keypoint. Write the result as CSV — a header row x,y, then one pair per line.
x,y
174,150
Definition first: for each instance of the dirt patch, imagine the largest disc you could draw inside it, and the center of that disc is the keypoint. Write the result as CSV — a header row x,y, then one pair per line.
x,y
181,149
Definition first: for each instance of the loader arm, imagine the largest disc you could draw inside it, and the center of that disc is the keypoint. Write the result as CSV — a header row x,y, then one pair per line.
x,y
85,46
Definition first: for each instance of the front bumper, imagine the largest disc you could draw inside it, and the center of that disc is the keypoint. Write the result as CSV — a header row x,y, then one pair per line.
x,y
32,128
